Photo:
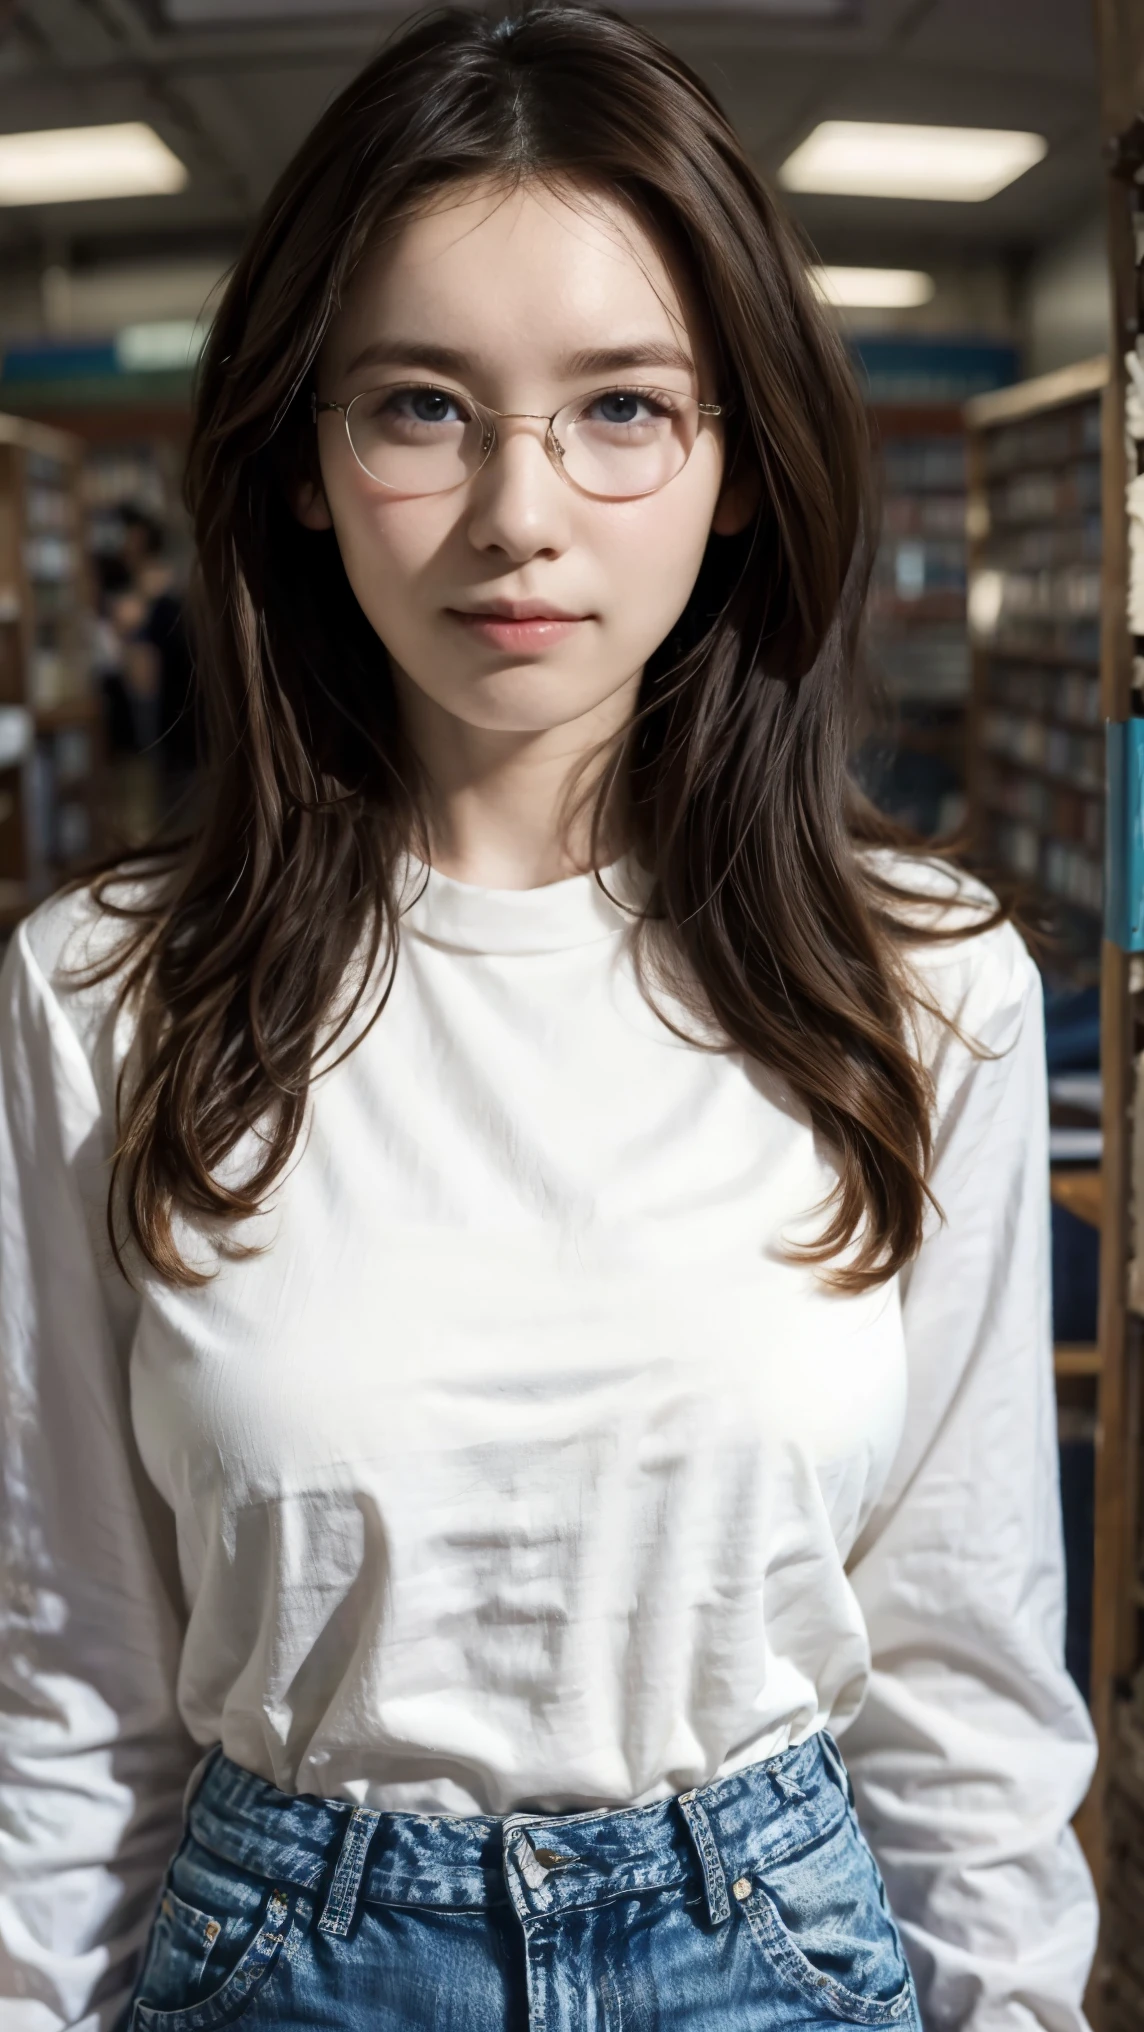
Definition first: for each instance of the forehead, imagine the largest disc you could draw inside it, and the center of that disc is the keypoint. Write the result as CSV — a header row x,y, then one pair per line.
x,y
532,270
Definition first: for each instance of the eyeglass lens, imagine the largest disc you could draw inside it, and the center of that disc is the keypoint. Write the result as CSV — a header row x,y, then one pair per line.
x,y
616,443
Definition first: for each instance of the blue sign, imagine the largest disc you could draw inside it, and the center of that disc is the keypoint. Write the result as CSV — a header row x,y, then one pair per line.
x,y
60,362
1124,835
896,367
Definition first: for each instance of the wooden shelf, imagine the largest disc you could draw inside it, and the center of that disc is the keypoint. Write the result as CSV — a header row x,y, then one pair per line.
x,y
37,437
1045,391
1073,522
1079,1189
1037,825
1073,783
1059,462
938,606
1076,1358
75,712
1066,658
1026,712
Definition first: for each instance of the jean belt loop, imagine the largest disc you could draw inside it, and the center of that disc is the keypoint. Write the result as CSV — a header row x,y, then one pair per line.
x,y
833,1759
340,1906
710,1861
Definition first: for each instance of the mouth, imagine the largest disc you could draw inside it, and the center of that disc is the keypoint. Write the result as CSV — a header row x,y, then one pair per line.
x,y
519,624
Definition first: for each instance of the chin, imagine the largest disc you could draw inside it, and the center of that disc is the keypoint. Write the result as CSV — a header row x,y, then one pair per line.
x,y
521,700
514,720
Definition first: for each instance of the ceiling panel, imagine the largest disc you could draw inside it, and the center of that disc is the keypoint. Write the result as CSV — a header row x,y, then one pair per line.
x,y
191,13
186,13
234,85
260,118
1022,37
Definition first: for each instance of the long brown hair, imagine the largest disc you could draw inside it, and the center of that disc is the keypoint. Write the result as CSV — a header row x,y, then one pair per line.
x,y
742,811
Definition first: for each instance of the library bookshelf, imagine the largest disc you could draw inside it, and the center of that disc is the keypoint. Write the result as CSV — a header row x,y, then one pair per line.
x,y
50,722
1035,750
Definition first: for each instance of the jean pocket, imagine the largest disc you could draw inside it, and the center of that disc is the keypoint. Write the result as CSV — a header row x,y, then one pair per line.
x,y
820,1917
181,1944
214,1944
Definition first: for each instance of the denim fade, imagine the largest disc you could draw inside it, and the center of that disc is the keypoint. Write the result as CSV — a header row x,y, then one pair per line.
x,y
749,1905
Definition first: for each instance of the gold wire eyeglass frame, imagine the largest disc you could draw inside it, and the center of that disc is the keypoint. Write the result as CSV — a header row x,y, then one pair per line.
x,y
489,418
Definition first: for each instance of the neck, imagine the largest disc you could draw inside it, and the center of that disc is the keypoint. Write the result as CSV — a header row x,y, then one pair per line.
x,y
511,809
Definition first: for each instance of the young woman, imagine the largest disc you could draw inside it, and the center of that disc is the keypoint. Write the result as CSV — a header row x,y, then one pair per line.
x,y
524,1281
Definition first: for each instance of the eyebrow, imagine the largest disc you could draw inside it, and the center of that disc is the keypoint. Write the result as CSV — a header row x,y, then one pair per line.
x,y
594,360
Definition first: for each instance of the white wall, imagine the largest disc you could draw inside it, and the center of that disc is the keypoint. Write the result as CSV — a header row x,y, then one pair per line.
x,y
59,303
102,300
971,299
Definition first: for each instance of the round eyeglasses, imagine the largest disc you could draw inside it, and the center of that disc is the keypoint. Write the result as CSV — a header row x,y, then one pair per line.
x,y
615,443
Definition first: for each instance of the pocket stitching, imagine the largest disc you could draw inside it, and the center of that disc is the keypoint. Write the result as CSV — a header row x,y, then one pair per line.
x,y
253,1970
772,1936
199,1924
819,1833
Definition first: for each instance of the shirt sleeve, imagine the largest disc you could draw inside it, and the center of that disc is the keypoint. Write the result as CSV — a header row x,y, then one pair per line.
x,y
93,1758
974,1749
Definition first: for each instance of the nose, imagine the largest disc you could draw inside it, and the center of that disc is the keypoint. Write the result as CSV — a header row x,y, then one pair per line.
x,y
520,506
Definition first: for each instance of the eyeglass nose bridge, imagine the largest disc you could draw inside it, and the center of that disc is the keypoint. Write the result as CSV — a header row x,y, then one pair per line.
x,y
552,444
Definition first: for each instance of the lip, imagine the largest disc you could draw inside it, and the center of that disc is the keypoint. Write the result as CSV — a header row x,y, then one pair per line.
x,y
519,624
517,610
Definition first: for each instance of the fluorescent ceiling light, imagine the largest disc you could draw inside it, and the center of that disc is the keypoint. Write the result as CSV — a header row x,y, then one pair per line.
x,y
170,343
873,159
58,165
873,288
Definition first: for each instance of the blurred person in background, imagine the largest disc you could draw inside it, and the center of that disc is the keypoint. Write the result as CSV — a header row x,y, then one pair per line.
x,y
110,580
158,657
117,611
530,1479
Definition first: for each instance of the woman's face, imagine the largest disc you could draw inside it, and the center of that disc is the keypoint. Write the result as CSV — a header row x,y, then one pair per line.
x,y
524,301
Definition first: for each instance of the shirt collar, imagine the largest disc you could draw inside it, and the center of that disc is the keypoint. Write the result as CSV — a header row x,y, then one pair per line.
x,y
559,916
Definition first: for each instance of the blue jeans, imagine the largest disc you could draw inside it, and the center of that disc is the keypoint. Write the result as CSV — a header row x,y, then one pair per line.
x,y
749,1905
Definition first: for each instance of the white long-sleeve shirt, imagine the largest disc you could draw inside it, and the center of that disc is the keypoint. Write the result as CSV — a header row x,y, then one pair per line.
x,y
518,1467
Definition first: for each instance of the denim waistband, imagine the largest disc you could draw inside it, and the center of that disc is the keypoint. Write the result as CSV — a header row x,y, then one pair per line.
x,y
540,1862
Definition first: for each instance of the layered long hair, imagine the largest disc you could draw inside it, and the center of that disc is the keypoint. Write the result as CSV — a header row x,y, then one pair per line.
x,y
238,946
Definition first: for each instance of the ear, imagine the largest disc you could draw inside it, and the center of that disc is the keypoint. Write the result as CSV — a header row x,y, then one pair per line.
x,y
737,502
310,505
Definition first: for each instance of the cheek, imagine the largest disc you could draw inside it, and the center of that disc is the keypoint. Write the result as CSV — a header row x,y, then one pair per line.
x,y
649,554
388,545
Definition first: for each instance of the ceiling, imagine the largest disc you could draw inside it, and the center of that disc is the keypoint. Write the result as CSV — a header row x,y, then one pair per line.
x,y
233,85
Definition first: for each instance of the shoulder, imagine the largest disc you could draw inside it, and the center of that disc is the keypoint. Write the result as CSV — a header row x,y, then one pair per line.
x,y
66,968
960,969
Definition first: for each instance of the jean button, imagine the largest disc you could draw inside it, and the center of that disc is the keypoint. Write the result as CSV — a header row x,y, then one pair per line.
x,y
741,1888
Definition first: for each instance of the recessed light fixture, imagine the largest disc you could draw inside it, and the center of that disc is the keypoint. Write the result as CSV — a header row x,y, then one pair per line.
x,y
876,159
873,288
167,343
60,165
